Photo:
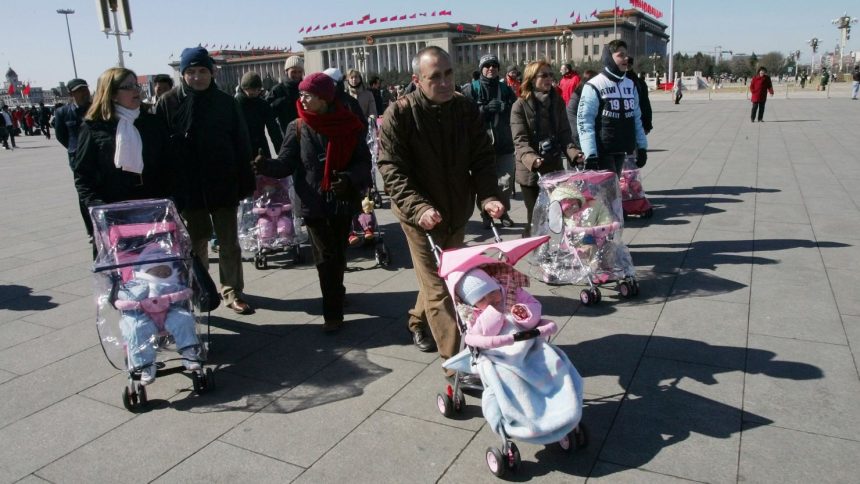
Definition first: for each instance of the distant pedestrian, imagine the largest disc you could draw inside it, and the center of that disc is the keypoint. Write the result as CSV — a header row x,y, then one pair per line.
x,y
803,80
569,81
512,79
67,124
258,115
213,166
355,87
760,86
10,127
5,127
284,96
855,85
824,80
678,89
45,120
380,95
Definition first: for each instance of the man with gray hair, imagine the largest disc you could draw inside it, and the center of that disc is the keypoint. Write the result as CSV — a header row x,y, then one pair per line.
x,y
283,97
435,156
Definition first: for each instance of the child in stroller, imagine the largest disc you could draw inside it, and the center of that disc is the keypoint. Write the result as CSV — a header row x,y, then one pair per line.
x,y
532,392
266,225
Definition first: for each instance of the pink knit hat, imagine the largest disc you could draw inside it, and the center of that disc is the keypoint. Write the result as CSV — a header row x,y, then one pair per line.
x,y
319,85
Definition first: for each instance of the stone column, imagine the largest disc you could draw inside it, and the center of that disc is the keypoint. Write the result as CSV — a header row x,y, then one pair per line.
x,y
388,57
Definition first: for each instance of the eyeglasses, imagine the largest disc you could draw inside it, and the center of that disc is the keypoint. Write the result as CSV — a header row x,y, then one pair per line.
x,y
544,75
129,87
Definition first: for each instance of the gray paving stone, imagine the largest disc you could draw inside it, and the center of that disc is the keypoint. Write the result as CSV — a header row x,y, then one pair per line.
x,y
69,313
782,212
308,420
160,439
699,331
39,439
802,385
220,462
6,376
54,346
18,331
396,341
845,256
787,310
32,479
377,447
844,284
696,416
606,472
852,329
798,457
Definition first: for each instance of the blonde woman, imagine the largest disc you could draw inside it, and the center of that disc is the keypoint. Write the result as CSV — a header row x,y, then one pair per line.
x,y
541,132
122,151
355,88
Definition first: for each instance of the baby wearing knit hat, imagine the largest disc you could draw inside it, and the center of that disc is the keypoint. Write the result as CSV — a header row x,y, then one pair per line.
x,y
483,304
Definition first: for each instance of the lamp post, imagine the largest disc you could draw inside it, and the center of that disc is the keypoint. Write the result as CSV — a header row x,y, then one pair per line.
x,y
360,56
654,58
843,23
66,12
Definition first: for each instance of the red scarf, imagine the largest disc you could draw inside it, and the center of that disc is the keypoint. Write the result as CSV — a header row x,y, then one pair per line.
x,y
341,127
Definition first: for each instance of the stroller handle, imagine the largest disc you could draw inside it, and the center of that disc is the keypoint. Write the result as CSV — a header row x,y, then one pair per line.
x,y
547,329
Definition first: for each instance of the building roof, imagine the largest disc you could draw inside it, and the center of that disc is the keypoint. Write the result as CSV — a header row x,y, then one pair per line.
x,y
468,29
11,73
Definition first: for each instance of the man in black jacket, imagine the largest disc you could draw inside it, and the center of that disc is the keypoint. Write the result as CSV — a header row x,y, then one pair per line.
x,y
258,115
67,124
494,99
214,170
284,96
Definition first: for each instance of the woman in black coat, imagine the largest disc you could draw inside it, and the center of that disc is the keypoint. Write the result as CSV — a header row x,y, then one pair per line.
x,y
258,115
122,151
325,152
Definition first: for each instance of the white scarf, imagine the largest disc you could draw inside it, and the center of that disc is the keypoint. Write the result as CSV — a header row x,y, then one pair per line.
x,y
129,147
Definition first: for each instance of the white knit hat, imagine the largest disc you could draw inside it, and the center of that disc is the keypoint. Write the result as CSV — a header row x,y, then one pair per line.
x,y
294,61
334,73
474,285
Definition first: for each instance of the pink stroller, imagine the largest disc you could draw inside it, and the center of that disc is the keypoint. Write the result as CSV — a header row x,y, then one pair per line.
x,y
581,212
266,223
531,390
633,199
146,301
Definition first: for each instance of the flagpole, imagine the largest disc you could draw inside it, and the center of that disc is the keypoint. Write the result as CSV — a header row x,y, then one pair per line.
x,y
615,20
671,72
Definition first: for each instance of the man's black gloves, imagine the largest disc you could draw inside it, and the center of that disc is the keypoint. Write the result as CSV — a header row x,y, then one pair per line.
x,y
641,157
494,106
341,185
592,163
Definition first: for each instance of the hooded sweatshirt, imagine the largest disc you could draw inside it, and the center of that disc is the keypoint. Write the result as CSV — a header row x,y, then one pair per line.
x,y
609,119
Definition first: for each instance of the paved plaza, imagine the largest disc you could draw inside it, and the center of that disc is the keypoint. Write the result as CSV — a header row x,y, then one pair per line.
x,y
738,361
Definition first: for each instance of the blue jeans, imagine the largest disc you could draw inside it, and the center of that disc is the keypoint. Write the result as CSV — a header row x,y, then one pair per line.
x,y
855,88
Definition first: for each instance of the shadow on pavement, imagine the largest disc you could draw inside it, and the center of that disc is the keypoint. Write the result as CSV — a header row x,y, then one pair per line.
x,y
20,298
713,190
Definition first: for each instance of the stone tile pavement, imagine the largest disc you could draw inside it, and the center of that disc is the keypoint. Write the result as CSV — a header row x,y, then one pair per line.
x,y
737,362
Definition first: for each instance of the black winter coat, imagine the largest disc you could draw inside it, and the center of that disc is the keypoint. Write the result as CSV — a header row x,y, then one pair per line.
x,y
499,124
644,102
99,181
259,117
212,147
305,160
283,99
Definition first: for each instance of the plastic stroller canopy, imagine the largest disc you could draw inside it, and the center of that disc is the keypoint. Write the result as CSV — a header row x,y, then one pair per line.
x,y
510,251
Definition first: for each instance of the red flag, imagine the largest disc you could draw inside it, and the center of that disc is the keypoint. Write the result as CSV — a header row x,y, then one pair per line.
x,y
477,29
413,15
11,89
594,13
534,22
325,27
433,14
316,28
497,28
423,14
333,25
372,21
26,90
342,24
515,23
445,12
383,19
403,17
619,11
460,28
578,19
571,13
349,23
360,22
366,17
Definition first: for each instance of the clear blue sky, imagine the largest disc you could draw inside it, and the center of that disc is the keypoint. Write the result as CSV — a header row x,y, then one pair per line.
x,y
36,45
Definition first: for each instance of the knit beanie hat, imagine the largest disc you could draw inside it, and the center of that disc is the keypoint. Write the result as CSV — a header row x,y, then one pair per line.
x,y
334,73
319,85
195,56
251,80
294,61
512,69
474,285
488,59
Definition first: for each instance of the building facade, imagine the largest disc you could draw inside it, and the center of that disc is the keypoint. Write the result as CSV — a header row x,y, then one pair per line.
x,y
231,65
18,98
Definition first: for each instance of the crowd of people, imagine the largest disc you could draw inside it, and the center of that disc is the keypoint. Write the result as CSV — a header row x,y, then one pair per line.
x,y
444,149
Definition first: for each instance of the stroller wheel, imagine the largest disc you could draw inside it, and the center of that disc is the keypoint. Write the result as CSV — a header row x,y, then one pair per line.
x,y
297,255
129,399
597,296
197,382
142,400
579,436
513,457
625,290
565,443
382,257
635,286
585,297
445,405
210,379
459,401
648,213
496,461
260,262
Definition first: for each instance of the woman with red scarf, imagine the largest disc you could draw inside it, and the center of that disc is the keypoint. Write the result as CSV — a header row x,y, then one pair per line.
x,y
324,150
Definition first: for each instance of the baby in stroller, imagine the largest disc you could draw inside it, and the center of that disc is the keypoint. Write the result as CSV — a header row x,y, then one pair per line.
x,y
155,300
532,392
273,207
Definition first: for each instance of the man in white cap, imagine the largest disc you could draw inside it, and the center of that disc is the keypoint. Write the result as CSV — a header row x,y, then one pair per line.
x,y
284,96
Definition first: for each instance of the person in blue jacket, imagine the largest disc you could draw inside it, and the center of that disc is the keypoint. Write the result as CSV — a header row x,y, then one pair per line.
x,y
609,121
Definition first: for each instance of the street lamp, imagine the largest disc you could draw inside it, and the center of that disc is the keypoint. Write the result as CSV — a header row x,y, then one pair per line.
x,y
813,43
360,56
843,23
67,12
654,58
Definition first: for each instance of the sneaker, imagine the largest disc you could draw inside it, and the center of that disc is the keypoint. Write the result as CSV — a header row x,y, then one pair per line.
x,y
240,307
190,358
147,375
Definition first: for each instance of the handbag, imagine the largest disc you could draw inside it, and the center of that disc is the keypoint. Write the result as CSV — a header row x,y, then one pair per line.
x,y
206,296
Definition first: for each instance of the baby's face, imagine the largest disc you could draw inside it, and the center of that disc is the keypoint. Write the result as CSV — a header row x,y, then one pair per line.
x,y
492,299
162,271
570,206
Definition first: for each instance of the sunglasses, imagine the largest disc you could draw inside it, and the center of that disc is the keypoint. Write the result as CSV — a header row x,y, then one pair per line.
x,y
491,66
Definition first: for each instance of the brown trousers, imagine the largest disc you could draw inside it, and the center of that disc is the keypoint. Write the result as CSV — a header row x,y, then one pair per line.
x,y
433,307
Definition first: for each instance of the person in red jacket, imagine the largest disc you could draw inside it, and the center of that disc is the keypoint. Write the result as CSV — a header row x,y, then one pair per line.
x,y
569,81
760,85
